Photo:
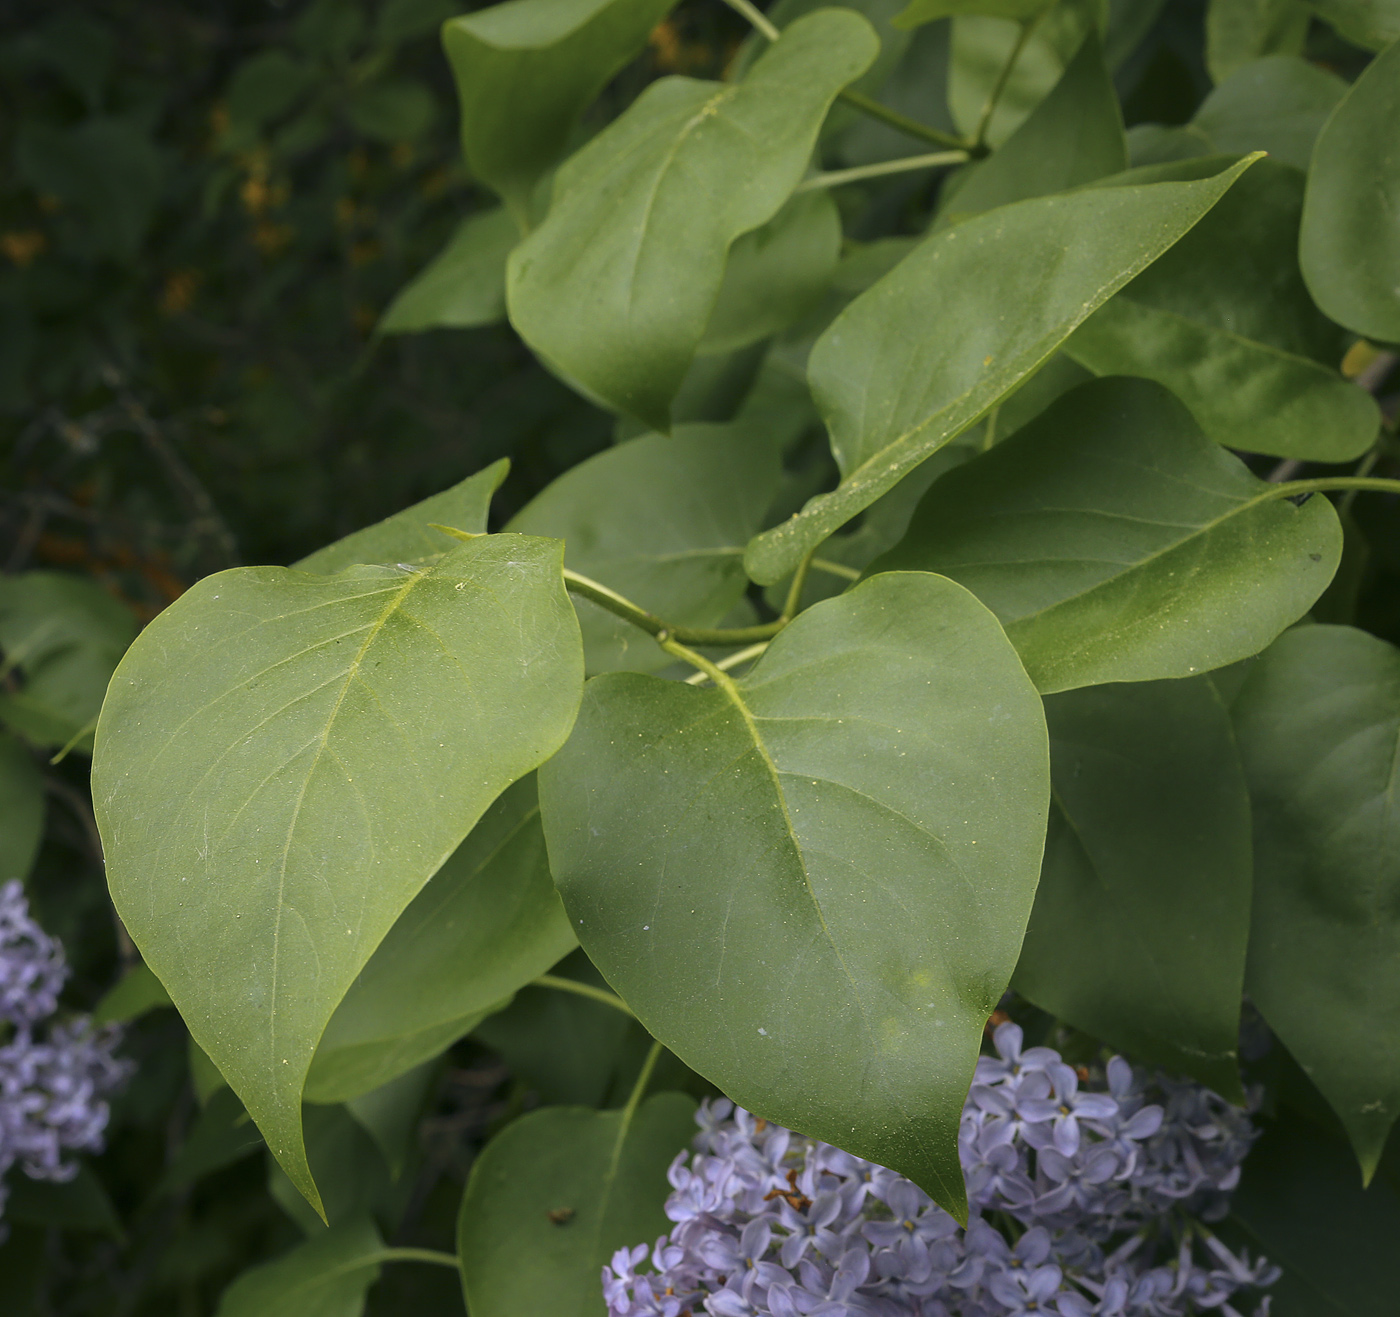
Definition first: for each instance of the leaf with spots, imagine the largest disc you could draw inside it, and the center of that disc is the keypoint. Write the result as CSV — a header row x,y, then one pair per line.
x,y
811,884
285,759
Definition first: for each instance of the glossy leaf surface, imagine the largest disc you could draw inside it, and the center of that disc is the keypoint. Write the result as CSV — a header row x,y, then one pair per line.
x,y
327,1276
1225,322
1350,245
1117,543
464,285
615,288
487,923
662,520
555,1194
21,809
895,384
1074,136
1141,918
408,538
526,70
286,759
811,884
1318,721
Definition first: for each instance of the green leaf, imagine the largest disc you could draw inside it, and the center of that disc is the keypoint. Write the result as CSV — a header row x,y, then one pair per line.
x,y
526,70
1224,321
1074,136
464,285
1369,23
776,274
223,1133
408,538
328,1276
664,522
1318,722
555,1194
1276,105
349,1169
389,1114
1141,918
286,759
982,47
615,288
138,992
919,12
487,923
1350,244
206,1078
1240,31
1299,1202
21,809
896,384
264,88
811,884
1115,542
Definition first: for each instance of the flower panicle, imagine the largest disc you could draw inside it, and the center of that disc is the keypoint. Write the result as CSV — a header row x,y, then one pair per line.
x,y
1085,1201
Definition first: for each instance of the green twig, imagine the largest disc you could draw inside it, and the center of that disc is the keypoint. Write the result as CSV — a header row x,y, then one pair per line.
x,y
410,1255
585,990
799,580
731,661
835,569
640,1087
868,105
755,16
654,626
979,138
1321,484
839,177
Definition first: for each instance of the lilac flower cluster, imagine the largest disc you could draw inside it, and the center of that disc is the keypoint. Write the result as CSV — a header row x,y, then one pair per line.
x,y
1082,1204
53,1084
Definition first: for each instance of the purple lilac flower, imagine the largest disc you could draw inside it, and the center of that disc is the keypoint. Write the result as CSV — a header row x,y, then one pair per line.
x,y
1087,1199
54,1082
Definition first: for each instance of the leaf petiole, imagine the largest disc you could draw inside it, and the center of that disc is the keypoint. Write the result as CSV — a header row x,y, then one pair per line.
x,y
839,177
654,626
979,138
431,1255
584,990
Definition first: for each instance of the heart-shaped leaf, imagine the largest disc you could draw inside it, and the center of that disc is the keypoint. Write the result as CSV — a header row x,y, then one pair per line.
x,y
283,762
555,1194
896,383
1225,322
1350,243
526,70
615,288
1117,543
811,884
1141,919
1318,721
487,923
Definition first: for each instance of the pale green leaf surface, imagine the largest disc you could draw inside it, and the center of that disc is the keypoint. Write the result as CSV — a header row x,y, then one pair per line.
x,y
895,384
776,274
464,285
526,70
811,884
1141,918
1350,244
1318,721
1369,23
983,44
603,1175
1074,136
1224,321
1240,31
286,759
1115,542
327,1276
663,521
615,288
487,923
21,809
1278,105
408,537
